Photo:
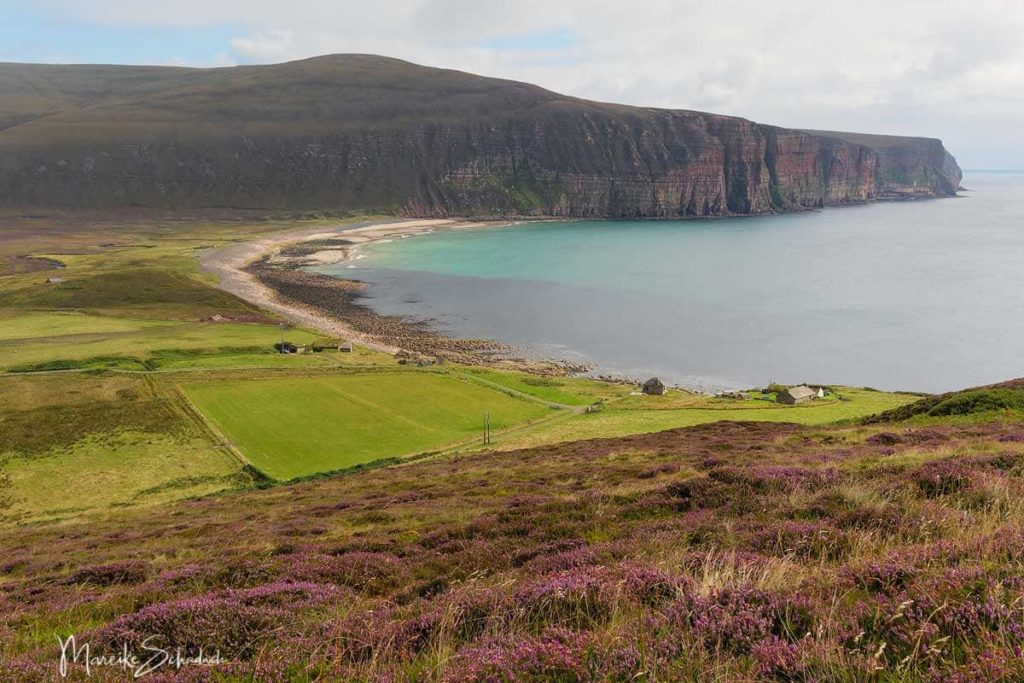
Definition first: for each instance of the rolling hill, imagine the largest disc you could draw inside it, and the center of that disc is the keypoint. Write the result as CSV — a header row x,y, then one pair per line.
x,y
370,133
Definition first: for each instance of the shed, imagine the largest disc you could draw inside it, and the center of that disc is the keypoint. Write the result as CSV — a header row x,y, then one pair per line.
x,y
654,387
345,346
54,280
794,395
286,347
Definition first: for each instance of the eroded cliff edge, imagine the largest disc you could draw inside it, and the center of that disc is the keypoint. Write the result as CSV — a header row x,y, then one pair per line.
x,y
360,132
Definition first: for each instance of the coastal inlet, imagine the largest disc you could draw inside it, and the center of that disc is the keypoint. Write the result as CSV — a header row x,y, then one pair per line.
x,y
917,295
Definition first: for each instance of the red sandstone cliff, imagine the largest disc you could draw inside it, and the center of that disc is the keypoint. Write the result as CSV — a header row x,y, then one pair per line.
x,y
358,132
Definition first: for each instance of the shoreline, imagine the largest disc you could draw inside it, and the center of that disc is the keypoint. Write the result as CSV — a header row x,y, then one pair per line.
x,y
269,272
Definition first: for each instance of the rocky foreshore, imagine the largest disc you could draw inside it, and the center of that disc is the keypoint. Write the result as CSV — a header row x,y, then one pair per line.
x,y
338,298
270,272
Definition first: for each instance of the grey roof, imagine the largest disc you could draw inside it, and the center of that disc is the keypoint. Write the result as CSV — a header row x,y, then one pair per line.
x,y
801,392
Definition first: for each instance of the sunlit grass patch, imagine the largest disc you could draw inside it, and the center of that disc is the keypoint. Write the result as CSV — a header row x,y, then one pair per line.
x,y
294,427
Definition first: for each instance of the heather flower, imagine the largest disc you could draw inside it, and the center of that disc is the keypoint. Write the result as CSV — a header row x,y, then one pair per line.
x,y
245,573
524,555
1016,437
884,439
803,539
233,621
23,670
560,656
185,576
882,577
649,586
947,612
777,658
942,478
129,571
563,561
578,598
991,664
737,619
785,479
371,573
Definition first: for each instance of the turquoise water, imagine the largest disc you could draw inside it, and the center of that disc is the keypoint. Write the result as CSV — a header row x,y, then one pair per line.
x,y
925,295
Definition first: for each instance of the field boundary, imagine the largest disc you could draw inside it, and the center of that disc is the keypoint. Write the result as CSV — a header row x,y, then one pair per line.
x,y
515,393
219,438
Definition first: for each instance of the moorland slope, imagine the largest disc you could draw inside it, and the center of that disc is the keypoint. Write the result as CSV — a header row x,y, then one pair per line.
x,y
729,551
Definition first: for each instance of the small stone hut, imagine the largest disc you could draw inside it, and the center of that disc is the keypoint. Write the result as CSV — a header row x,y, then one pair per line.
x,y
794,395
653,387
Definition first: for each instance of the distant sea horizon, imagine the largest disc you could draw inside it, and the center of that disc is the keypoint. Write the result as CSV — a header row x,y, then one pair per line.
x,y
923,295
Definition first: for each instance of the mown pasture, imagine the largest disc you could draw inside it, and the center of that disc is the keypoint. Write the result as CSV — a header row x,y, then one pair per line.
x,y
293,427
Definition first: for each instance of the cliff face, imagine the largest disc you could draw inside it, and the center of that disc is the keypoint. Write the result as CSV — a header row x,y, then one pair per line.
x,y
360,132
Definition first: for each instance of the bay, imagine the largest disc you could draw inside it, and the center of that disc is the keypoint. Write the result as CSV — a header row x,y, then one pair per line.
x,y
917,295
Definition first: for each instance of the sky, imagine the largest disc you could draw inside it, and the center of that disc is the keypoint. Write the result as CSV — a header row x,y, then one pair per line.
x,y
942,68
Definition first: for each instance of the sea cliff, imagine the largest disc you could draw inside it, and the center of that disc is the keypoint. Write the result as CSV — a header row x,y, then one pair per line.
x,y
367,133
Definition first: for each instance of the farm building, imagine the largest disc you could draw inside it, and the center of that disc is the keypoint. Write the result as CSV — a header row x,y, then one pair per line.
x,y
654,387
794,395
54,280
288,347
331,345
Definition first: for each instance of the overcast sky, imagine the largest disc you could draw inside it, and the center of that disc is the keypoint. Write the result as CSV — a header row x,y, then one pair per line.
x,y
952,69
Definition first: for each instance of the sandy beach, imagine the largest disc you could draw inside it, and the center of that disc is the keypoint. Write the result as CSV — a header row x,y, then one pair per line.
x,y
265,272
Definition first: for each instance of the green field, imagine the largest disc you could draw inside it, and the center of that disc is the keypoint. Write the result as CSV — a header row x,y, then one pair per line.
x,y
88,443
572,391
100,473
290,428
41,337
638,414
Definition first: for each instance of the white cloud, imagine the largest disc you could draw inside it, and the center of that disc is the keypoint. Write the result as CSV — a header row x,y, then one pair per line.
x,y
945,68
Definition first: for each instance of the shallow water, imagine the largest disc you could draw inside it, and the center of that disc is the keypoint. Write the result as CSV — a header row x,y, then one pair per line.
x,y
925,295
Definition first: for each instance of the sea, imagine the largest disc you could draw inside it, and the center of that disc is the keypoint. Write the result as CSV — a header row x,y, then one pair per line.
x,y
921,295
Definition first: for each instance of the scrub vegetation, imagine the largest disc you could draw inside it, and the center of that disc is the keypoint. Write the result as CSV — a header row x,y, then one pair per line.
x,y
731,551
